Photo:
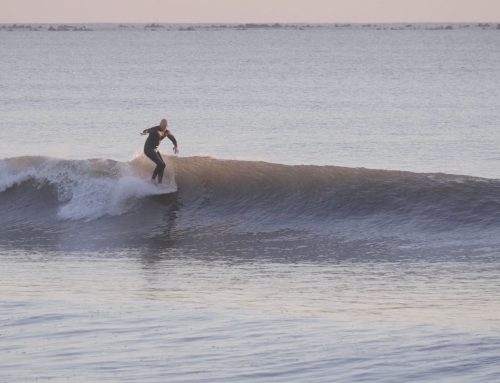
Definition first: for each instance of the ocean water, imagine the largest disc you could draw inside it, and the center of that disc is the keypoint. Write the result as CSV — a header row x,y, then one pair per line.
x,y
333,215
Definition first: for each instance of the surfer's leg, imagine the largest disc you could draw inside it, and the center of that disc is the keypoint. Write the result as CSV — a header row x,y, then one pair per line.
x,y
154,156
155,173
160,167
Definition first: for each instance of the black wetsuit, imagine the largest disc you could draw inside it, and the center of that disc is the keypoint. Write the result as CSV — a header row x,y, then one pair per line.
x,y
150,150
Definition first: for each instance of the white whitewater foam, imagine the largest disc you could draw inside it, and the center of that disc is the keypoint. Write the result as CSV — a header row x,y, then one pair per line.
x,y
85,194
98,197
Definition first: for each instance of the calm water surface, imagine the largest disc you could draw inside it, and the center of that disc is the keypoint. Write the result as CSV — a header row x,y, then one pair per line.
x,y
169,317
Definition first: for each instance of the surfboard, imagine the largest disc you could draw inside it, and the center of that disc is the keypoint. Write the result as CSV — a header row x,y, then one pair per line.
x,y
164,188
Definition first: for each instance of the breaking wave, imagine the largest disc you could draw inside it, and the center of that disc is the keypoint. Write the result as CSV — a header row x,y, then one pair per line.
x,y
100,199
83,189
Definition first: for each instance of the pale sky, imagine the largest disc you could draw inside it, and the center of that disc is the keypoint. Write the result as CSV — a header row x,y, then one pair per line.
x,y
212,11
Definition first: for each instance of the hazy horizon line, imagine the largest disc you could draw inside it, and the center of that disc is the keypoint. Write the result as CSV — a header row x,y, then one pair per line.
x,y
251,22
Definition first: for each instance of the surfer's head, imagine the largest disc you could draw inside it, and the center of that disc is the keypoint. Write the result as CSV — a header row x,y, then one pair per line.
x,y
163,124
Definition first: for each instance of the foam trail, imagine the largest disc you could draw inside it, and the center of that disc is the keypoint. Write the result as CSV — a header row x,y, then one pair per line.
x,y
91,200
86,189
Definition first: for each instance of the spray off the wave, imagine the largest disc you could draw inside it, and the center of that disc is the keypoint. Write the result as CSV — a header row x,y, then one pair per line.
x,y
85,189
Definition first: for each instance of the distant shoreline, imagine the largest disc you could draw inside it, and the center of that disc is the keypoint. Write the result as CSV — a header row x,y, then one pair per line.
x,y
88,27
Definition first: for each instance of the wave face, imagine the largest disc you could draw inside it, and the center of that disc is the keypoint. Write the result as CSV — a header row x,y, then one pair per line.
x,y
109,202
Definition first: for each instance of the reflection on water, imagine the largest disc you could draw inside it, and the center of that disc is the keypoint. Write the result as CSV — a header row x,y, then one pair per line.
x,y
168,316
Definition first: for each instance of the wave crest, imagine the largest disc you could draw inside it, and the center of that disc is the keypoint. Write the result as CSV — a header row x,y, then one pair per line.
x,y
84,189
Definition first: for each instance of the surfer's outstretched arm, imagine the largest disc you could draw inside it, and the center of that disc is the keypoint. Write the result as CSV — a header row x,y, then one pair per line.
x,y
174,141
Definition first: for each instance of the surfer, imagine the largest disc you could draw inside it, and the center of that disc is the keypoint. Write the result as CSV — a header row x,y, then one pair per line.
x,y
156,134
